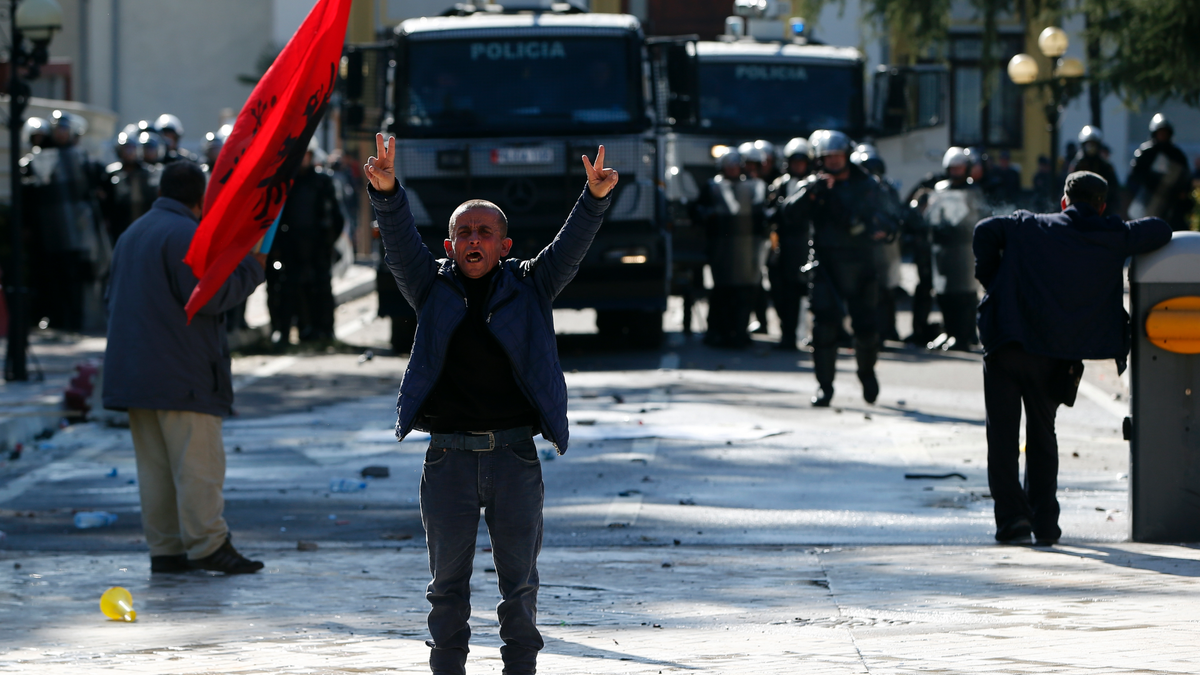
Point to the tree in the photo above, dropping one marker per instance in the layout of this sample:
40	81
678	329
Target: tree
1148	48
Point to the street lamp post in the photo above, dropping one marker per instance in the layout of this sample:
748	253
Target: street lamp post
35	21
1063	84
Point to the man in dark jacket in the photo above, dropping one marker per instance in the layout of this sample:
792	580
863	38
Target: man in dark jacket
173	377
300	273
483	379
1054	297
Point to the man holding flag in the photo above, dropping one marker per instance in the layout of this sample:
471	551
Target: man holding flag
174	378
483	379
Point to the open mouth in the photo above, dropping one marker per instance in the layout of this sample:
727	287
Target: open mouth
474	257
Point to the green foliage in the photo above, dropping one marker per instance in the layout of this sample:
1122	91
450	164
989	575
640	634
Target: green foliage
1150	48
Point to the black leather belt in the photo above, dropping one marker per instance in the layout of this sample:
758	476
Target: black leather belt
481	441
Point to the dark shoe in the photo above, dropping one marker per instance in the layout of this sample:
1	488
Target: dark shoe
1016	533
226	559
169	563
1038	541
823	397
870	385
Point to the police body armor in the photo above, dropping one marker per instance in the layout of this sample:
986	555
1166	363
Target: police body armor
951	214
736	251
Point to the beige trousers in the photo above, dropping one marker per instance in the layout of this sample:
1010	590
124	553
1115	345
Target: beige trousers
181	472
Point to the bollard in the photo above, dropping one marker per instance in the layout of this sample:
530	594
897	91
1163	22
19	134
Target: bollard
1164	427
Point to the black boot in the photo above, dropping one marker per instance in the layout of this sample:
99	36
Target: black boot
866	351
824	367
226	559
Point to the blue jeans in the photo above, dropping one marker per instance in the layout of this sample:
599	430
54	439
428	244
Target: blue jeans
507	483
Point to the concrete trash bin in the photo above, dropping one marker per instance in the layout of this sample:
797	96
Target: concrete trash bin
1164	429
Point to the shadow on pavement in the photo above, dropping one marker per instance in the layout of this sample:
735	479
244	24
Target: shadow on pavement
1180	567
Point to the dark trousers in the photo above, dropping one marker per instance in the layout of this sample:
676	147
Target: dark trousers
507	483
922	300
844	285
1012	376
729	310
786	291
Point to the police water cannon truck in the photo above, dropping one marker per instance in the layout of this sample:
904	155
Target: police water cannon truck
499	103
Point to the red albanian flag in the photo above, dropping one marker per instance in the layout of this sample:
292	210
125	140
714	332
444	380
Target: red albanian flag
254	171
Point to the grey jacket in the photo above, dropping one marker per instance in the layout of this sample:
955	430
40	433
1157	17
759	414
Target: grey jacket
155	359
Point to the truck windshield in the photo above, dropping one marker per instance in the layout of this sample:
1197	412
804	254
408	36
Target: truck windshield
779	100
541	85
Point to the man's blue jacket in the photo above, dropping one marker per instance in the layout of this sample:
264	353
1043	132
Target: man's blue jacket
1055	281
518	311
155	359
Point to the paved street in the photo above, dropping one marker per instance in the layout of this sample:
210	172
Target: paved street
705	519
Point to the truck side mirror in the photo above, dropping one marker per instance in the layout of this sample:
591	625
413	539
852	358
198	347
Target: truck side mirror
683	102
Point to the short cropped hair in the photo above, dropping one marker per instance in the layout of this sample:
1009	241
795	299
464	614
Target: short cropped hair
183	180
479	204
1085	187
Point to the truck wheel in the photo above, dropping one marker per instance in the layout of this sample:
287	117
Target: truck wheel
404	329
630	328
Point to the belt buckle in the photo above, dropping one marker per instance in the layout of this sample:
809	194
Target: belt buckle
491	441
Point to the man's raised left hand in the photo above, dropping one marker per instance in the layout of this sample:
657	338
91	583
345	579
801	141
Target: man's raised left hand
601	181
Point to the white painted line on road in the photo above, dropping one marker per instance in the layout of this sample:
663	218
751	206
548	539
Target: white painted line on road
20	485
669	361
1103	399
268	369
623	512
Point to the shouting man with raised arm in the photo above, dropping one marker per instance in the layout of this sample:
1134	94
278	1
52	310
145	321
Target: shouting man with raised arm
483	379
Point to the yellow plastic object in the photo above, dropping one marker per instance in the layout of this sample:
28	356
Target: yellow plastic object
117	604
1174	325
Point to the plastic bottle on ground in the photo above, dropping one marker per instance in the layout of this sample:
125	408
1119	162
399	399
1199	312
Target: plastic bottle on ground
89	519
346	485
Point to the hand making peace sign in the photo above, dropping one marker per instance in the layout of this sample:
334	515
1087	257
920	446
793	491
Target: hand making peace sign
381	169
601	181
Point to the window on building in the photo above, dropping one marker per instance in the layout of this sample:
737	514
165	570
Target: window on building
993	120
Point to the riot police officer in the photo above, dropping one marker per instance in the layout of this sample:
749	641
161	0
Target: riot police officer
955	206
887	252
170	128
789	247
128	192
213	142
753	159
1091	158
841	209
1160	182
74	248
770	163
733	207
299	268
35	133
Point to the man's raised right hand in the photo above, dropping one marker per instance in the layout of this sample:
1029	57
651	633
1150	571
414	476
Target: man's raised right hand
381	169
